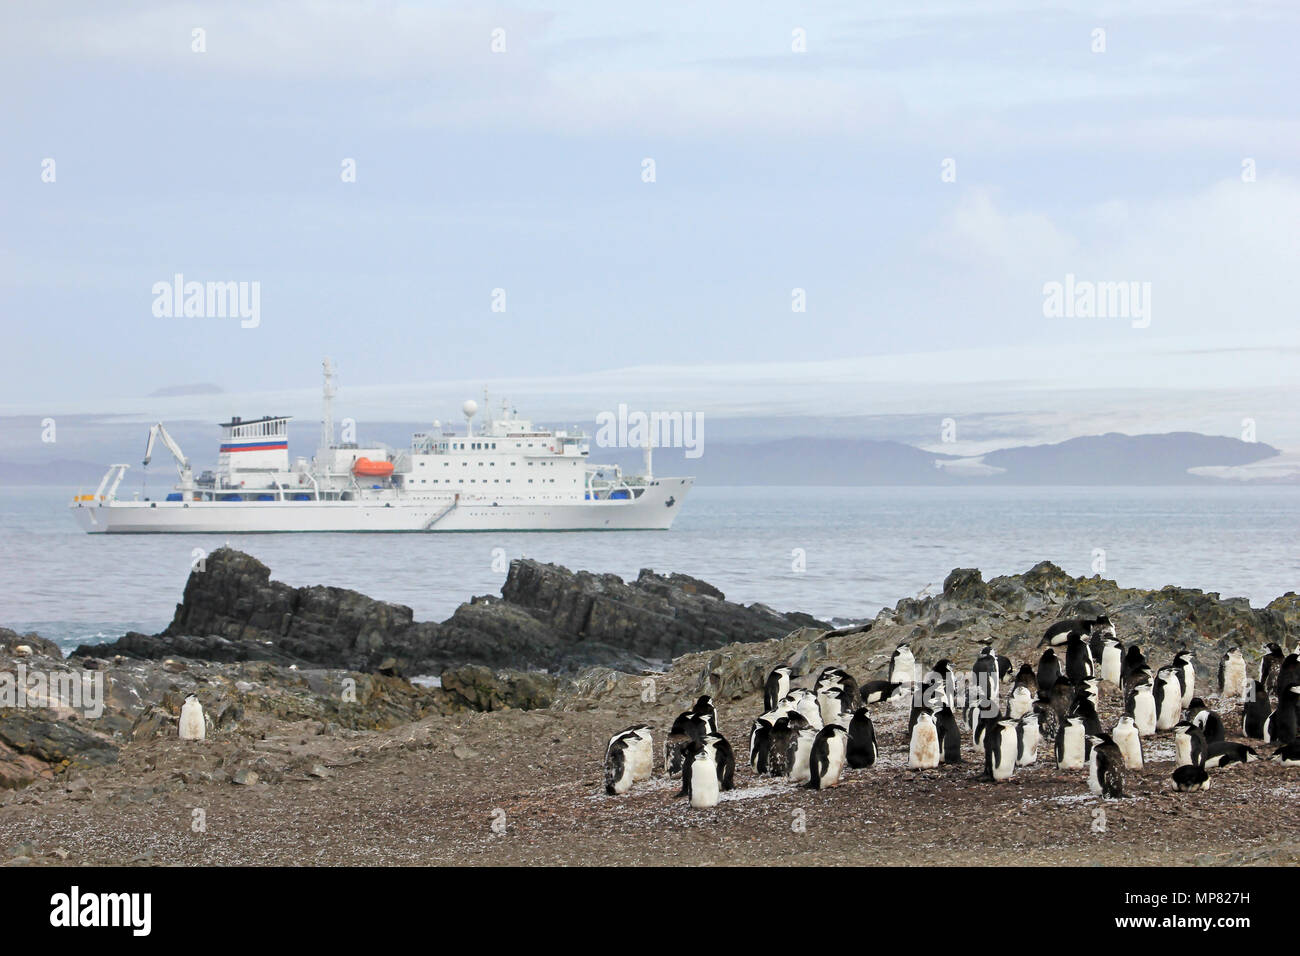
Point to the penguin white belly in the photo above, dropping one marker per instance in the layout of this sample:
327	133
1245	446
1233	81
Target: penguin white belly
1171	707
1189	685
800	772
1183	750
623	782
835	759
1029	753
1021	703
828	708
810	711
1005	765
1072	749
1094	780
1144	714
903	670
192	726
704	781
1110	664
924	750
641	758
1130	747
1234	678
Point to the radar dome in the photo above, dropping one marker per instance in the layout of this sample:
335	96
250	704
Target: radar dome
470	408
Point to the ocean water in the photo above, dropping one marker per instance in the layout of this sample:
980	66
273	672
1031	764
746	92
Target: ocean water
862	548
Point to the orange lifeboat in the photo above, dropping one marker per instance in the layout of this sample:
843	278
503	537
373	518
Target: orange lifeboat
372	469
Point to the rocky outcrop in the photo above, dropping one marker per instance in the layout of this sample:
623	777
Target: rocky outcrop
1010	611
547	618
141	700
11	641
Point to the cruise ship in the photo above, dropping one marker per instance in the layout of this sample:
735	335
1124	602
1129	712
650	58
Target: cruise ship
506	474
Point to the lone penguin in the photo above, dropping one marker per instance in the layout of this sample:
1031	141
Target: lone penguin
777	686
923	750
192	726
828	757
861	747
1232	674
629	759
1129	741
1105	767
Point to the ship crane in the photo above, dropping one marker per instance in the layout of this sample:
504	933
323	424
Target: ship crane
182	463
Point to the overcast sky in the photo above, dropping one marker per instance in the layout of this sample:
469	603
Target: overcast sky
522	170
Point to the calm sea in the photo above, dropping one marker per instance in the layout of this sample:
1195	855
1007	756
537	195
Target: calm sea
861	549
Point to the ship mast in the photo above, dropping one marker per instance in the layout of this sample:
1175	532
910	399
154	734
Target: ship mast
327	417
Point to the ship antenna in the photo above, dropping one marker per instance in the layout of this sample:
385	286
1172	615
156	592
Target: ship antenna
327	418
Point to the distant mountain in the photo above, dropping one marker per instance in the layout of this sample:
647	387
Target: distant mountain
176	391
1113	459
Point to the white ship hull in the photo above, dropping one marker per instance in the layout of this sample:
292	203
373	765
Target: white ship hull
653	510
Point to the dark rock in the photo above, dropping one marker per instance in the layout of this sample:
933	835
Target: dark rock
480	688
10	640
33	745
965	584
548	618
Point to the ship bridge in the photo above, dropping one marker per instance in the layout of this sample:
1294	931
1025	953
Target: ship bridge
259	444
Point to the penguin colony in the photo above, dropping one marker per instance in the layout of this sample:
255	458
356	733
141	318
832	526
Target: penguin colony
813	736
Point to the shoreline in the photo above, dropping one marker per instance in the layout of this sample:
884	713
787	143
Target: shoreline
292	773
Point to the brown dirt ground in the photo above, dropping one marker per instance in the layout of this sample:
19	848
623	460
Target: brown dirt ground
430	793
